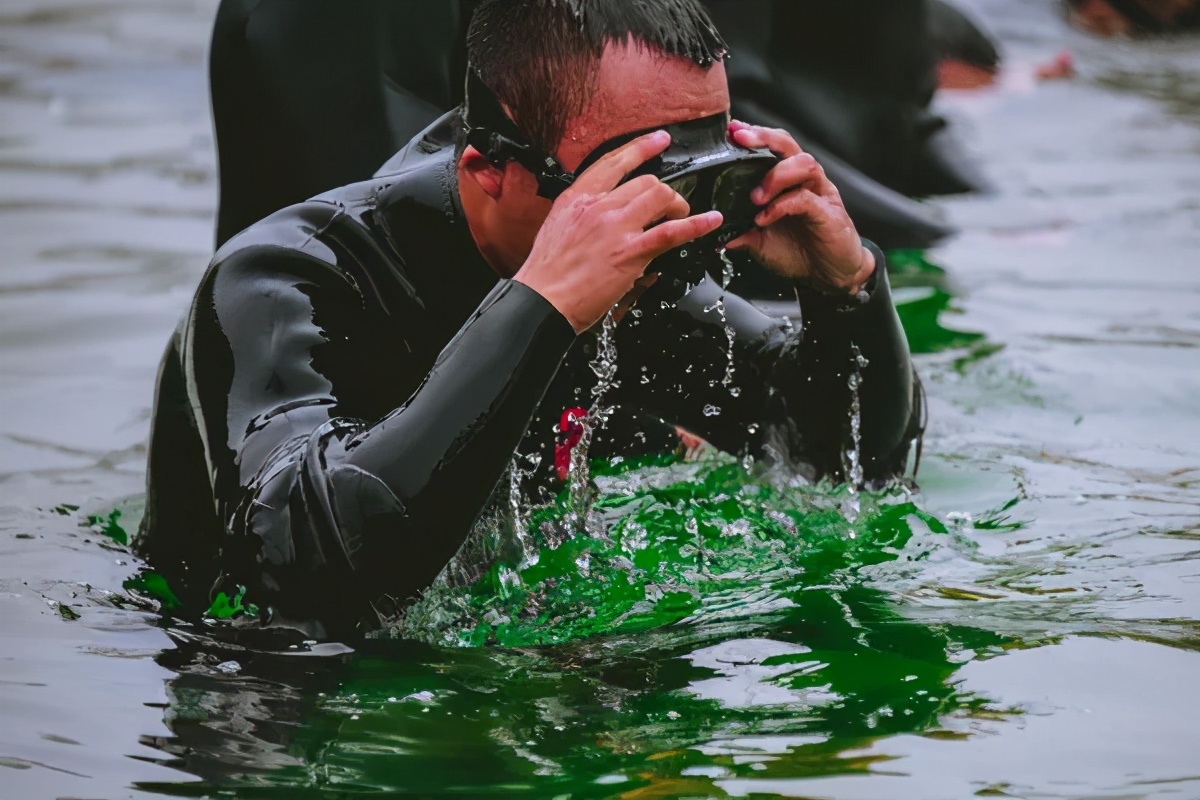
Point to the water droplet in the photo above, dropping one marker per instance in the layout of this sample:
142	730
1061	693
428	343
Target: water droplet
959	518
726	277
851	455
711	411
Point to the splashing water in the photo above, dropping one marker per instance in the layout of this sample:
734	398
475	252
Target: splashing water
719	307
517	505
852	454
604	365
726	278
696	543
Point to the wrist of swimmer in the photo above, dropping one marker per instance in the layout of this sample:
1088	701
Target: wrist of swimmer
850	288
866	271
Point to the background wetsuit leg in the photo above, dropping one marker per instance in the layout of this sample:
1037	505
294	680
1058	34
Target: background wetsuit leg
858	77
956	36
309	95
881	214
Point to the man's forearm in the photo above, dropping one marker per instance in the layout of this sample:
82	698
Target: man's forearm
441	454
845	336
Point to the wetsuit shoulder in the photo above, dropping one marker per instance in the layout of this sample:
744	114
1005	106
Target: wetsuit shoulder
354	422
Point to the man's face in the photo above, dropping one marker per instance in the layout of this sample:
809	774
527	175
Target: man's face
636	90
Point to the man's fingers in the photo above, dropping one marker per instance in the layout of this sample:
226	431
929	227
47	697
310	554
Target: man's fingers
751	240
798	172
678	208
639	192
645	200
655	206
778	141
613	167
673	233
796	203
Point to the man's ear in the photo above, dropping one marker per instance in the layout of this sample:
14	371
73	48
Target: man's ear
487	175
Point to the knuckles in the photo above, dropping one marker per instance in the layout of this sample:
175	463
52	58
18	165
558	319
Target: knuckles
644	183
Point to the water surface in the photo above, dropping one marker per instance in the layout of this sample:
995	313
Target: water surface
1026	626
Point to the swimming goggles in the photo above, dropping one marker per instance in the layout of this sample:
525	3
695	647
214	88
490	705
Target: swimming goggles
702	164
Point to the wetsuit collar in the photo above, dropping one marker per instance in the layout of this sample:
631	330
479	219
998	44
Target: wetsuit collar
422	209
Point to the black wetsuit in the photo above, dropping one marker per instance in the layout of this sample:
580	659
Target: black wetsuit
352	379
308	95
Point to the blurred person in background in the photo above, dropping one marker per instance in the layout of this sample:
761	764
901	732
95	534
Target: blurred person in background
312	94
1134	17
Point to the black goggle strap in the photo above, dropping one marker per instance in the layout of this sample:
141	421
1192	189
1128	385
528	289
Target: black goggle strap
492	133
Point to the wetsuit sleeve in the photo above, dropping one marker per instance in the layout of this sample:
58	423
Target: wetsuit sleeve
786	392
337	514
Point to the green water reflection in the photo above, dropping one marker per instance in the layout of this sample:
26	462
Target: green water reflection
924	300
716	621
736	638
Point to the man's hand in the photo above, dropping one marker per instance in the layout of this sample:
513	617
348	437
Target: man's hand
803	230
597	240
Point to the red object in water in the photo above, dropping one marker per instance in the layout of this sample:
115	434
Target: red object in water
955	74
570	431
691	441
1062	66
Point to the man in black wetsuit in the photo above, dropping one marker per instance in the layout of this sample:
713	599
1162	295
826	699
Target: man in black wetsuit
356	372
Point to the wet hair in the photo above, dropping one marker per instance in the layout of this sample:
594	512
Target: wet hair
542	57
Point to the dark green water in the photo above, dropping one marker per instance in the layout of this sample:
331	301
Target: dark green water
717	626
1027	624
